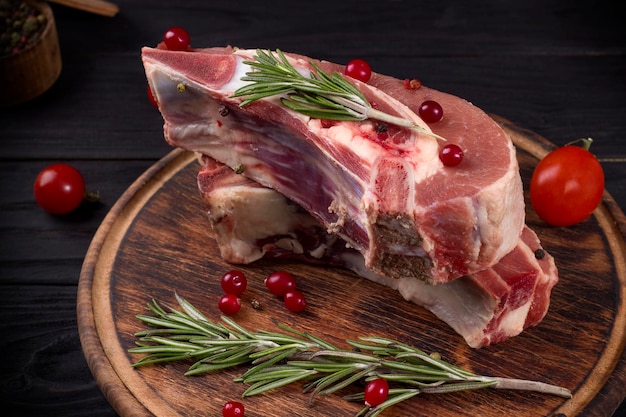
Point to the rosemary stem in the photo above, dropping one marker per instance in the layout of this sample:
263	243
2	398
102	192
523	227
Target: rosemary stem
526	385
368	112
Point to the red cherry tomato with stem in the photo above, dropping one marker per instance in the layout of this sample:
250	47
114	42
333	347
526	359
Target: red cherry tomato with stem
567	185
59	188
359	70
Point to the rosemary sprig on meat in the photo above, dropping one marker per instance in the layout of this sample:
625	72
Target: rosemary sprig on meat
278	359
320	95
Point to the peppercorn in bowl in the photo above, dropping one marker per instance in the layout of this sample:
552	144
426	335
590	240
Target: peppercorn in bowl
30	57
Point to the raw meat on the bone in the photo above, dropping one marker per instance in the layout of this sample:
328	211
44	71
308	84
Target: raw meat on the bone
387	196
250	222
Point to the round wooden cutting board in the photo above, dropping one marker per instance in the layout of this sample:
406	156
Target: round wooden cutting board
156	241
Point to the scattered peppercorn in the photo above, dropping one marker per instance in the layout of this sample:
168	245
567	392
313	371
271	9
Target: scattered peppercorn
239	169
256	304
381	131
413	84
381	127
540	253
21	26
224	111
181	87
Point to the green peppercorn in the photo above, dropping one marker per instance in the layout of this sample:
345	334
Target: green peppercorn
21	26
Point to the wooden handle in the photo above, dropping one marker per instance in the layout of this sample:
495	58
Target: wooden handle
100	7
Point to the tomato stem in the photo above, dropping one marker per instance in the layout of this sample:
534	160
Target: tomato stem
91	196
584	143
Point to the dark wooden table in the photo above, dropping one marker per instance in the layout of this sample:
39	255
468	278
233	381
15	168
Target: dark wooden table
555	67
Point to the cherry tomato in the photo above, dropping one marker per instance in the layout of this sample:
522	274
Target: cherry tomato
358	69
59	188
234	282
233	409
566	186
295	301
176	39
229	304
280	282
376	392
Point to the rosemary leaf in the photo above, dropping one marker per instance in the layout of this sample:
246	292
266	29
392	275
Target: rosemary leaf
438	363
159	349
345	354
325	366
276	372
331	379
266	363
423	380
421	371
154	359
201	326
156	321
395	397
192	311
264	386
323	344
205	368
346	382
237	355
182	334
237	327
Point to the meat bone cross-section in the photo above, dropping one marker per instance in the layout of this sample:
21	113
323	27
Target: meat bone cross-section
391	198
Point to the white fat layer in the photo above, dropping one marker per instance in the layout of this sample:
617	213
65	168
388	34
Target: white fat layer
256	213
240	71
462	306
259	212
494	218
513	321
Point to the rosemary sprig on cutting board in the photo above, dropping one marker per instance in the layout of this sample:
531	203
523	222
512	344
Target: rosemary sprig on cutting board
276	359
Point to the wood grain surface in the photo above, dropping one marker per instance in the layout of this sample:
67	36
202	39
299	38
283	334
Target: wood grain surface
555	67
156	240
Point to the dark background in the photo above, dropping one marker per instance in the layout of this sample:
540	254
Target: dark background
556	67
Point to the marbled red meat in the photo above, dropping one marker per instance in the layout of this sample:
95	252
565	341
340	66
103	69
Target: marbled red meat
251	222
389	198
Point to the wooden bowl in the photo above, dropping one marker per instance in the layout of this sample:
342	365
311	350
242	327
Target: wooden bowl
27	74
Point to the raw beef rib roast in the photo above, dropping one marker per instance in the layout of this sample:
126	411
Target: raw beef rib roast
370	195
386	195
251	222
